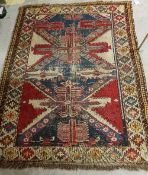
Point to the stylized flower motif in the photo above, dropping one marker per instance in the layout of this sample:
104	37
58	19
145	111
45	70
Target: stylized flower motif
60	153
123	50
44	153
131	154
129	90
89	9
95	153
38	83
121	32
111	134
98	124
138	140
10	153
90	89
55	9
40	125
44	9
105	129
135	126
47	90
33	130
113	154
23	44
91	120
26	28
7	140
46	121
9	127
114	139
119	17
66	9
77	155
133	112
19	62
28	135
26	139
27	153
15	83
112	8
10	116
78	9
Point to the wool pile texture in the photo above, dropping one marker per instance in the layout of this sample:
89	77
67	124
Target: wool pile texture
73	91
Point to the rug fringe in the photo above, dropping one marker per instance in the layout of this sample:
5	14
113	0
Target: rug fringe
79	3
45	165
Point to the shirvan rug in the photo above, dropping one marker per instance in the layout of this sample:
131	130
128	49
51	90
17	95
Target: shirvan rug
73	92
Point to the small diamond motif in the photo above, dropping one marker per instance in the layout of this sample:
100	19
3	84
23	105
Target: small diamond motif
131	101
124	59
126	68
128	79
120	24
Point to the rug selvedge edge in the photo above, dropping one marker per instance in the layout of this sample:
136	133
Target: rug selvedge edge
141	81
137	58
11	50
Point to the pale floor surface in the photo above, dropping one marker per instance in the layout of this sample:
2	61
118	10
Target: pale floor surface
6	28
